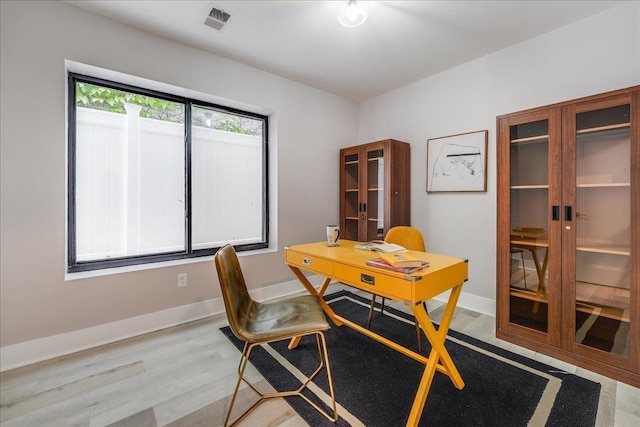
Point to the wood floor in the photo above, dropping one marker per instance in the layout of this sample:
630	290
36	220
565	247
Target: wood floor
183	376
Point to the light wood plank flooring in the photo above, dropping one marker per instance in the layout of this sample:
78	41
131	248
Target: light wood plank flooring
183	376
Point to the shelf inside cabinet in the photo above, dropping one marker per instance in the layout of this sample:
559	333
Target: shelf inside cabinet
351	190
355	162
603	249
530	139
527	294
605	301
605	185
608	312
353	218
529	187
375	189
603	128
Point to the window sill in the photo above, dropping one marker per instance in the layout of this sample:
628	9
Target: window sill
154	265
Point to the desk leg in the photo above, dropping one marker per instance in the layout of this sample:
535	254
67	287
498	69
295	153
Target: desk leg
438	353
309	287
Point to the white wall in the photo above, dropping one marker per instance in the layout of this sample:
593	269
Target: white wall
595	55
36	39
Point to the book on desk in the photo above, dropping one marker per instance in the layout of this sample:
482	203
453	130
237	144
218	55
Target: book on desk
381	263
401	259
380	246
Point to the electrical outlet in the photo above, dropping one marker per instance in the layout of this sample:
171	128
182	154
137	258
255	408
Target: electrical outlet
182	280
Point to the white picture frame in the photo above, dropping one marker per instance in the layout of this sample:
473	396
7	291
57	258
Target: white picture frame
457	163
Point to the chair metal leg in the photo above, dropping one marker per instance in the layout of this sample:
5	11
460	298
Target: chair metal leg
371	309
241	367
324	362
373	303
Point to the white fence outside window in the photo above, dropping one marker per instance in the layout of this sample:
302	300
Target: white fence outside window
130	186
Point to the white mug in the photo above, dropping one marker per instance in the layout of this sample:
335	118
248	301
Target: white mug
333	233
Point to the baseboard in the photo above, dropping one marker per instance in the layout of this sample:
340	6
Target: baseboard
472	302
29	352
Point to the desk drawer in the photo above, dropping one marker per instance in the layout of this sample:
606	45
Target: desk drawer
310	263
378	283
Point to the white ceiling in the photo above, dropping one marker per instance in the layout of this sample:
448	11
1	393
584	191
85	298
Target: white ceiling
401	42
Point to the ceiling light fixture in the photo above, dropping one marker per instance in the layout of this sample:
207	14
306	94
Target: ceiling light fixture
352	13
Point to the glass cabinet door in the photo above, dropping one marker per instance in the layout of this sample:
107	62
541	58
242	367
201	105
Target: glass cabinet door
529	224
375	194
602	222
351	196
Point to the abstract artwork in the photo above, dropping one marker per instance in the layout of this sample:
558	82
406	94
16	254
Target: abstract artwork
457	162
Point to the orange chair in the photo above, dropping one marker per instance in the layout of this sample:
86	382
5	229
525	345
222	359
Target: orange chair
410	238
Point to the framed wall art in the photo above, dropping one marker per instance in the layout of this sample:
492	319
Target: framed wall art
457	162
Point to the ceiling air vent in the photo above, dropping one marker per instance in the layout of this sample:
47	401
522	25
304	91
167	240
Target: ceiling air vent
217	19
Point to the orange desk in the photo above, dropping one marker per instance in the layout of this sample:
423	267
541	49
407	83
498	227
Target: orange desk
346	264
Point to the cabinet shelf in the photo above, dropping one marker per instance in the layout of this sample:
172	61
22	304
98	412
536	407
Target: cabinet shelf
351	190
608	312
605	185
605	301
529	187
529	295
603	249
599	306
603	128
354	162
376	189
530	139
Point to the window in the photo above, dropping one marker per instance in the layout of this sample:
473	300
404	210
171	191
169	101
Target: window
156	177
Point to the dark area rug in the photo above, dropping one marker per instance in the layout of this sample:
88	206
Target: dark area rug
377	385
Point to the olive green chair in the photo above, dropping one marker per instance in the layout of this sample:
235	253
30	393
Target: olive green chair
258	323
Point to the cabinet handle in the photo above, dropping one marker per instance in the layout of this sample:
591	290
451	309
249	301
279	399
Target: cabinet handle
359	207
364	207
555	213
568	213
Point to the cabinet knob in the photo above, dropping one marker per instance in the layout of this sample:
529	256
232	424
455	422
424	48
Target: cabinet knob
567	227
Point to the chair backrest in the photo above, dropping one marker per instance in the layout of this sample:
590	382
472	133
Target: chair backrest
409	237
237	302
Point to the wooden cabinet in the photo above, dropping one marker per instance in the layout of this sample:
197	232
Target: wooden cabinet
374	189
568	261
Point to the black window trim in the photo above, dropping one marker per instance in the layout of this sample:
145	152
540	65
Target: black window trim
74	266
